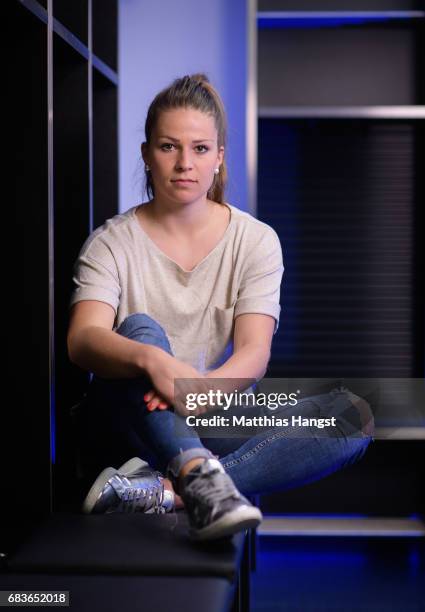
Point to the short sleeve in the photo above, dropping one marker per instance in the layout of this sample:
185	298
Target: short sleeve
259	291
95	274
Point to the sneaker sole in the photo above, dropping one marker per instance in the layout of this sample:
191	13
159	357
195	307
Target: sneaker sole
132	465
96	488
240	519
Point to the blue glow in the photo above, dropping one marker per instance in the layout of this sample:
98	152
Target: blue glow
309	21
414	563
305	557
52	425
289	169
314	23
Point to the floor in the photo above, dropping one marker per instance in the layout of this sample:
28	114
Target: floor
339	574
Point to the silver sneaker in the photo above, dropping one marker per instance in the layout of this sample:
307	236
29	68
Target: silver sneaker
133	487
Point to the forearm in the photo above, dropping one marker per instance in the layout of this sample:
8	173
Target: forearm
107	354
248	362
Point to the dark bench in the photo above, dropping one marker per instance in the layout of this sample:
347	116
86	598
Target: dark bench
129	562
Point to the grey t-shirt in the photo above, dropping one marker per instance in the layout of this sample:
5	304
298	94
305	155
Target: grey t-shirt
120	265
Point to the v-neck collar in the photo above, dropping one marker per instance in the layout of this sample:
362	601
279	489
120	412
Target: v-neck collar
164	255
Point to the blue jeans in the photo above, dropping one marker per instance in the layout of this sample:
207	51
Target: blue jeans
116	425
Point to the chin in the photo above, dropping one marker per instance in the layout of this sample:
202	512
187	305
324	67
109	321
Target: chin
186	197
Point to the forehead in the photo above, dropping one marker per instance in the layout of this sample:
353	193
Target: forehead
178	122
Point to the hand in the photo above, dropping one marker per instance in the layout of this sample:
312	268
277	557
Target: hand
154	400
163	369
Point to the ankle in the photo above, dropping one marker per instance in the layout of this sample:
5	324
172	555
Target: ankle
168	486
183	462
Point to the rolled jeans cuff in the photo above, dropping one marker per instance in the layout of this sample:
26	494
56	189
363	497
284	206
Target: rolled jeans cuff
182	458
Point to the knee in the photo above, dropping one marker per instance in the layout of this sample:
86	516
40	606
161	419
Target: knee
364	415
140	326
141	321
357	448
366	440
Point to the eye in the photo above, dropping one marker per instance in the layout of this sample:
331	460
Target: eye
201	148
167	146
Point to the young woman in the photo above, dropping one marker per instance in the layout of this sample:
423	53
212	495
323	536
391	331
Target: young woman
186	286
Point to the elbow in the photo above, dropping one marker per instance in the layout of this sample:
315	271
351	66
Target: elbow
262	373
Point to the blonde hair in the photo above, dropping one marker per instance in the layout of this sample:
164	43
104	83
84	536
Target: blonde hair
194	91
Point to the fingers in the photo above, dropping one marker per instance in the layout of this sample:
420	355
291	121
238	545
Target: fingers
154	401
149	395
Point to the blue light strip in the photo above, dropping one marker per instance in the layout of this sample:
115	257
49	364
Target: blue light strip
329	19
53	426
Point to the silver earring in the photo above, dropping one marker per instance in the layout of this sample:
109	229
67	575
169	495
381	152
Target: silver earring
217	170
147	168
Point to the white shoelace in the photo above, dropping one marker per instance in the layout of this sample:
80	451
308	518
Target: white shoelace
212	490
137	496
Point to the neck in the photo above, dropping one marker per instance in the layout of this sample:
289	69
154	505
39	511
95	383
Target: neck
181	219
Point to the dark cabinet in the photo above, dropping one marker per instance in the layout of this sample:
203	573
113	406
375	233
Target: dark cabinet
65	103
341	140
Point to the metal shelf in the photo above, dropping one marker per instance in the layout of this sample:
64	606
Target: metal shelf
70	38
59	29
342	112
294	526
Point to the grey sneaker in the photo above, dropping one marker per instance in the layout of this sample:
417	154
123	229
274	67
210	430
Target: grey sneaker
215	507
134	487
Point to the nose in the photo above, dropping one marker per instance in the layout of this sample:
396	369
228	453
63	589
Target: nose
184	160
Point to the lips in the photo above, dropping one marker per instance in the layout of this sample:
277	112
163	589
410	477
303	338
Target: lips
182	181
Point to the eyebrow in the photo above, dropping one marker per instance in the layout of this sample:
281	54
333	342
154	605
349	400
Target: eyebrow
194	141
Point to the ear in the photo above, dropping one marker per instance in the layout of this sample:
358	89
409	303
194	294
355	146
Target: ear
220	156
